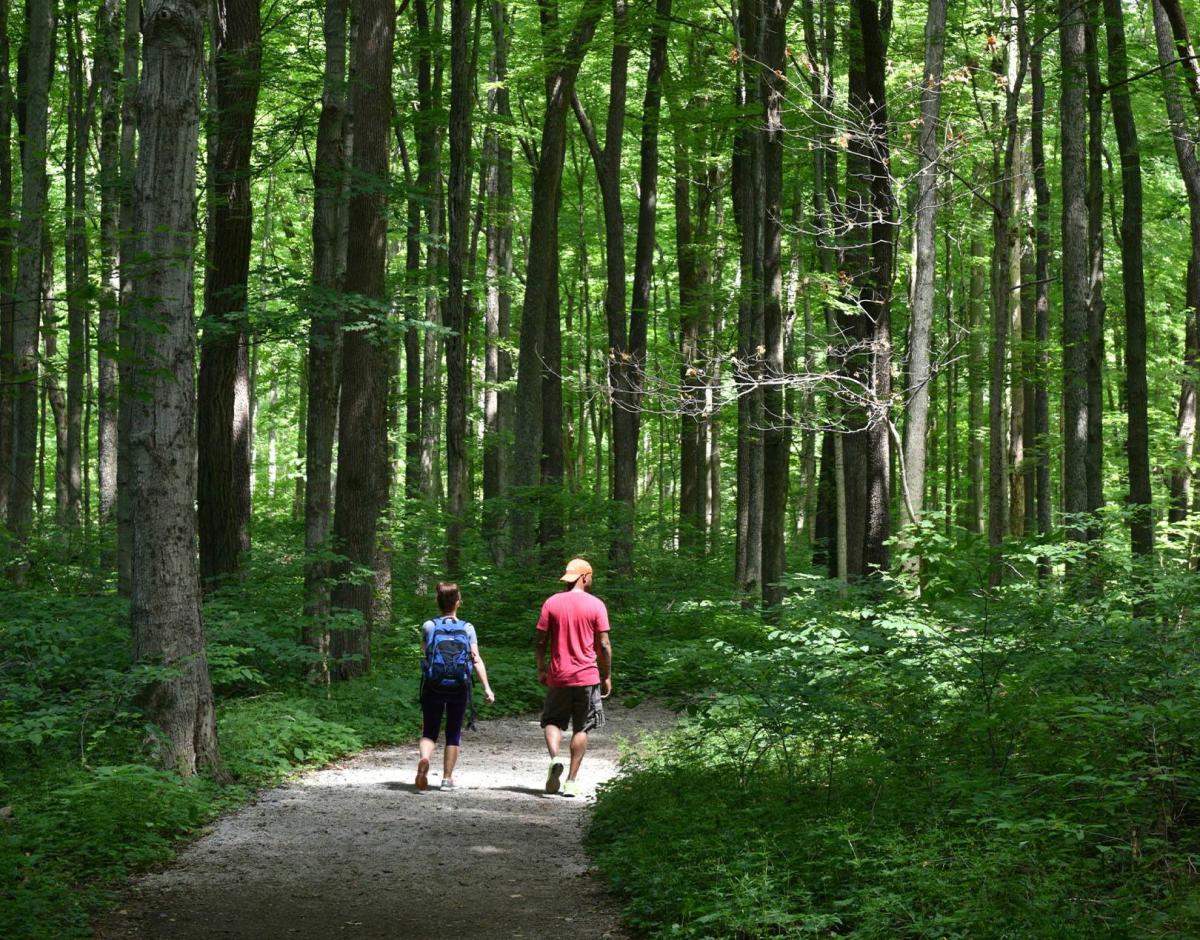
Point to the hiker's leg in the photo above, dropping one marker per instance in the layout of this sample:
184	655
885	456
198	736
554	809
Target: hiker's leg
449	759
426	748
553	739
578	749
455	713
431	724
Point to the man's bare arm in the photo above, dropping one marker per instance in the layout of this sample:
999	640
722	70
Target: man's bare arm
543	640
604	662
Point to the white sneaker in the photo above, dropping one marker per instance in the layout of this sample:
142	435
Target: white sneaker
449	784
570	788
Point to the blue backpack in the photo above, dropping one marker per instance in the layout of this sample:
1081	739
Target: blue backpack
448	666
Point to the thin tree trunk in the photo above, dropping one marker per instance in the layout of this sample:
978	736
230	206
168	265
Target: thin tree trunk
109	77
776	436
39	57
6	268
1096	305
921	323
131	44
1141	520
1041	392
54	401
224	421
165	600
455	304
76	257
1180	485
1072	113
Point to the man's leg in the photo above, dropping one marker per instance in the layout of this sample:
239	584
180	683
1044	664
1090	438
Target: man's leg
553	739
578	749
449	759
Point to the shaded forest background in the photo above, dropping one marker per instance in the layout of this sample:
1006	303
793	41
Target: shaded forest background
855	342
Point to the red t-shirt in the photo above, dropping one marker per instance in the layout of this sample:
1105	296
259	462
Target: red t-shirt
573	619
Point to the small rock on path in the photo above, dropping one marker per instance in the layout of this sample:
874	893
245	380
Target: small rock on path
356	851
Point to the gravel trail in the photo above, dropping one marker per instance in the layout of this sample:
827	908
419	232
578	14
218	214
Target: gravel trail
356	851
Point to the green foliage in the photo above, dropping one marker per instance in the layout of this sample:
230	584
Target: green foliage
1019	763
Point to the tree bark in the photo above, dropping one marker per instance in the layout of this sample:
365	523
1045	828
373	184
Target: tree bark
1096	305
1073	117
921	323
527	451
109	77
1041	392
1189	168
130	52
455	307
165	599
499	264
39	57
324	337
1141	520
776	435
363	472
6	268
224	421
76	258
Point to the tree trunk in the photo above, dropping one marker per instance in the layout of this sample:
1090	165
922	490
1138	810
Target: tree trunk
76	256
6	269
109	76
1141	520
1041	392
921	324
692	380
1096	305
165	600
459	212
324	337
39	58
776	436
498	303
53	396
539	270
1072	113
363	472
224	421
608	175
1189	168
131	43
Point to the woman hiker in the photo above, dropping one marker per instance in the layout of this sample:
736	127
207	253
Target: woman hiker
450	651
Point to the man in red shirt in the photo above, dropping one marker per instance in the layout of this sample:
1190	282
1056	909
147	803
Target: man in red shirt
573	627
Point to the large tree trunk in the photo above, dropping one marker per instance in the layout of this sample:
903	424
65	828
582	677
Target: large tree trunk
165	600
527	451
1189	169
1141	521
38	56
455	307
776	435
921	324
224	421
363	473
109	77
131	43
1072	113
324	337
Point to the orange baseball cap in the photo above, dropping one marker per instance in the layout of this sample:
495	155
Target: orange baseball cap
576	569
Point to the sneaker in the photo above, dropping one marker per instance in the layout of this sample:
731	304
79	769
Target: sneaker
422	774
570	788
554	776
448	784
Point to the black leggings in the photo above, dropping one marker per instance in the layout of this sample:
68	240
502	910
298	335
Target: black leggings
455	707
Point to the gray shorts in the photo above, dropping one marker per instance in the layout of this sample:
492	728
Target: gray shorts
577	705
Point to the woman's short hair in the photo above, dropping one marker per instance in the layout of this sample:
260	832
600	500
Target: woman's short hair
448	595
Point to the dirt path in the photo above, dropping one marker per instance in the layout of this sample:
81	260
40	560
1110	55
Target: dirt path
356	851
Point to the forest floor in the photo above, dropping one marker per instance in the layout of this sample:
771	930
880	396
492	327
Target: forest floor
354	850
